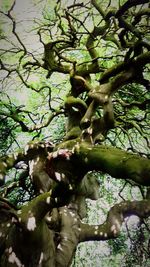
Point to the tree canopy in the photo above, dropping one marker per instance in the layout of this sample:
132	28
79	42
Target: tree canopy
74	113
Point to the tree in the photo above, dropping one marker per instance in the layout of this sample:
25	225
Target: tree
100	49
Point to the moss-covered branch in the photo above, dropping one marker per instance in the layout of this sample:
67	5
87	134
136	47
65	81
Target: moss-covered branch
114	161
30	151
111	227
69	237
28	233
31	215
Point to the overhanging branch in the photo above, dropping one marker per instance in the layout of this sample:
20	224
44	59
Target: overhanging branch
111	227
114	161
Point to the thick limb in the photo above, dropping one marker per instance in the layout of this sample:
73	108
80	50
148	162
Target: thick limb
97	128
37	170
112	226
114	161
29	233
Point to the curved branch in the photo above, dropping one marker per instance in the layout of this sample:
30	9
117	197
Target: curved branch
111	227
129	4
141	105
141	61
29	152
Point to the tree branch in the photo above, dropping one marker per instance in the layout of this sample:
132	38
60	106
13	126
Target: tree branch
141	61
129	4
114	161
111	227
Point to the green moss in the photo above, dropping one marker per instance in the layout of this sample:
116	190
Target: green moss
73	133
